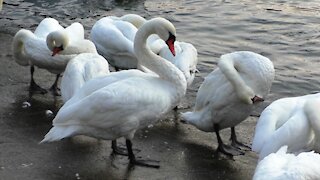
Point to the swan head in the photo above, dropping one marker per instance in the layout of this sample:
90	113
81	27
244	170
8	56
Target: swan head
246	95
167	32
57	41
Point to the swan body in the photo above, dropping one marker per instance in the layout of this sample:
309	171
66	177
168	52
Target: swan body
114	36
127	100
289	121
227	95
81	69
282	165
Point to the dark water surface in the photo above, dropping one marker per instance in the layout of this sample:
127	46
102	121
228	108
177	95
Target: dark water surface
287	32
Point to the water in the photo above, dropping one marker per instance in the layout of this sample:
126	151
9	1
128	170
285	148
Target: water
287	32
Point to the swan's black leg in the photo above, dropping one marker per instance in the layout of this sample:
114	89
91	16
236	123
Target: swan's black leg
54	88
133	159
34	87
116	68
225	149
235	142
118	150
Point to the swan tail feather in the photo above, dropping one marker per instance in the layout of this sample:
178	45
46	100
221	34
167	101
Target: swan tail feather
58	132
190	117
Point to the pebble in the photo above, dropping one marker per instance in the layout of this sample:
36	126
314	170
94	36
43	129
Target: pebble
26	104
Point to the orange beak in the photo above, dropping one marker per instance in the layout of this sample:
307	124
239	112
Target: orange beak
170	43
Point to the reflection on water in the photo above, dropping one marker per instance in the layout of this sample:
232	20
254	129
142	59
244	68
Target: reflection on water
285	31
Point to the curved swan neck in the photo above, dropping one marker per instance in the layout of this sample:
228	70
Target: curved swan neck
165	69
18	46
228	67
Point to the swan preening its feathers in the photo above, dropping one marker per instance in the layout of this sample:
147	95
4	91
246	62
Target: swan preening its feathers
227	95
294	122
41	47
122	102
282	165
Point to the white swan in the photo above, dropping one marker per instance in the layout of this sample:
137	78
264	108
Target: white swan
81	69
186	58
227	95
32	49
288	121
282	165
114	38
123	102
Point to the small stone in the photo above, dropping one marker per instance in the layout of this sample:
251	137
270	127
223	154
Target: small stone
26	104
49	113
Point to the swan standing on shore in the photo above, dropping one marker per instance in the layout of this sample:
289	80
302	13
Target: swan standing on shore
228	94
282	165
121	103
50	47
293	122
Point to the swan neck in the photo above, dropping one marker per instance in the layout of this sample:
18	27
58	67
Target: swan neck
163	68
229	68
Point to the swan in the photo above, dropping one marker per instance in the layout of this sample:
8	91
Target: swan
114	36
288	121
122	102
35	49
81	69
228	94
282	165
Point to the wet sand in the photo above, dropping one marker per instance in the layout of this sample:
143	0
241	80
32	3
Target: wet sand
183	151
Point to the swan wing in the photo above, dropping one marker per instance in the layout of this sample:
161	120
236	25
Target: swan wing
47	26
131	101
295	133
283	165
81	69
75	32
99	82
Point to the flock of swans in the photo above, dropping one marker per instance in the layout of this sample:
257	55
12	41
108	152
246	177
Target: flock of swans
153	71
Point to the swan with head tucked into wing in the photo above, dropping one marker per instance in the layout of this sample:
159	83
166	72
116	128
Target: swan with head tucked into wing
120	103
228	94
282	165
293	121
114	36
50	47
